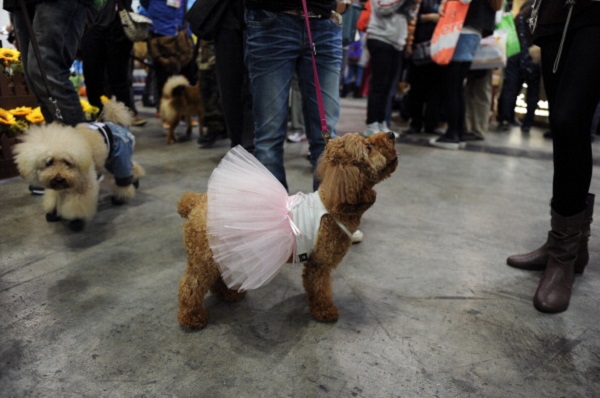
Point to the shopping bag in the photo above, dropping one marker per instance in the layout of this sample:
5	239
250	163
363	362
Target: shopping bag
507	23
491	52
447	30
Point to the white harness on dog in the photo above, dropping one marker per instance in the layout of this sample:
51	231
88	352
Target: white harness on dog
305	212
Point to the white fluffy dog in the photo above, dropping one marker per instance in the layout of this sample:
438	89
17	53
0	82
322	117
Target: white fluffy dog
67	162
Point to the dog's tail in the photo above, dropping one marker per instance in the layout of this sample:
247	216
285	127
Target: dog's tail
173	83
117	112
188	201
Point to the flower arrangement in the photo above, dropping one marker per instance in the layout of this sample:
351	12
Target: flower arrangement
10	60
15	121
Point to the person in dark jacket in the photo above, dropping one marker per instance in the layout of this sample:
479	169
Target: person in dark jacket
50	20
520	68
479	22
569	36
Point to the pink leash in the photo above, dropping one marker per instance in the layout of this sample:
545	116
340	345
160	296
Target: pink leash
324	130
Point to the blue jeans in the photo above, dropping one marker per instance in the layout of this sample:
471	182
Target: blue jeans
58	27
276	48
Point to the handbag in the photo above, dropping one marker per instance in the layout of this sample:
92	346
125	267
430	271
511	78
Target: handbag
173	53
507	23
447	31
205	17
135	26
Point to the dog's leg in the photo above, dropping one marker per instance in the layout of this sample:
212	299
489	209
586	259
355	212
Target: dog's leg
51	205
194	285
171	132
317	283
221	290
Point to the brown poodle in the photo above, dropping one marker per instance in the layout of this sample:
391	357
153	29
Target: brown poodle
348	170
180	100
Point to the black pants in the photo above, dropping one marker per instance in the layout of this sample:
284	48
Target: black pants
385	65
424	97
234	89
519	69
453	94
573	93
107	64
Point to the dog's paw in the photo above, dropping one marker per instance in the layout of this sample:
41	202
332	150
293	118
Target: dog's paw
76	225
52	216
117	201
325	313
197	321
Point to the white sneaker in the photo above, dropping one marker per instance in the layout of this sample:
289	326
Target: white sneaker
386	129
357	236
371	129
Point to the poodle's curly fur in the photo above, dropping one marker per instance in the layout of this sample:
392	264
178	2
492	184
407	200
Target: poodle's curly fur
348	170
66	161
181	100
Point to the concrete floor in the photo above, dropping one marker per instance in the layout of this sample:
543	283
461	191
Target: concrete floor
428	307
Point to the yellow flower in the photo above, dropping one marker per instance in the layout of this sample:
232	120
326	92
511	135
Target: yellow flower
93	110
9	55
104	99
35	117
21	111
6	117
85	105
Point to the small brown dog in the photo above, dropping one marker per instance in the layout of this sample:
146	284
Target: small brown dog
348	170
180	100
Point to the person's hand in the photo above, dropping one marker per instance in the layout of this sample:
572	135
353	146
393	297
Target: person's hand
432	17
442	8
342	6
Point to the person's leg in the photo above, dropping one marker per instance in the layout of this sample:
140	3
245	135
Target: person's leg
119	65
396	61
273	44
533	80
94	54
479	99
433	97
510	90
417	95
58	26
233	87
573	94
327	37
382	73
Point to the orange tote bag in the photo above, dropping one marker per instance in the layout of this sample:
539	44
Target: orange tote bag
447	30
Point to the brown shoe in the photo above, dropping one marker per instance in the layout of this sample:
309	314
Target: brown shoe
537	259
554	290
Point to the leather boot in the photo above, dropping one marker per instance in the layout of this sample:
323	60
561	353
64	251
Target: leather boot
554	290
537	259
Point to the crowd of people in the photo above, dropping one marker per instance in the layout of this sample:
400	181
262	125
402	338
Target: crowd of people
261	52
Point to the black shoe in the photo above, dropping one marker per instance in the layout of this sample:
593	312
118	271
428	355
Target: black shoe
504	126
446	141
472	137
525	129
548	134
411	131
206	141
36	190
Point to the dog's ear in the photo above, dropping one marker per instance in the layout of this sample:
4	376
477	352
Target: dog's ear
29	152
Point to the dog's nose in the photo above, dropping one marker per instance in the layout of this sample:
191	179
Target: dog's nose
392	136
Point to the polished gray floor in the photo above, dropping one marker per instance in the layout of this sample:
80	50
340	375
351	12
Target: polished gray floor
428	307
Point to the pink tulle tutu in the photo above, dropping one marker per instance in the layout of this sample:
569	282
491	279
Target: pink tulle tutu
249	228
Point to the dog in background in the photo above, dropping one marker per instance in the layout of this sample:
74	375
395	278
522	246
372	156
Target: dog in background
181	100
68	161
348	170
